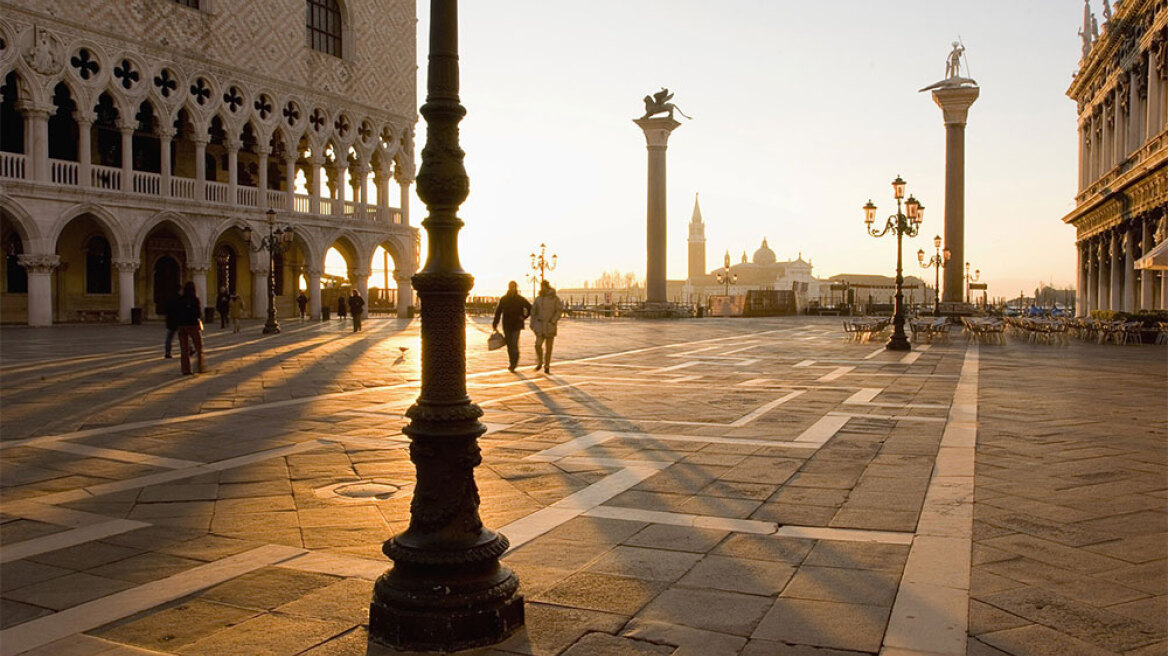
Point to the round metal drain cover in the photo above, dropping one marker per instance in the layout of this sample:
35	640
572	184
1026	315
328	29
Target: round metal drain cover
360	491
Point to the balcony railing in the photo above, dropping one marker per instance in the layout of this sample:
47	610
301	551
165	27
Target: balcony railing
15	166
105	177
147	183
216	192
63	171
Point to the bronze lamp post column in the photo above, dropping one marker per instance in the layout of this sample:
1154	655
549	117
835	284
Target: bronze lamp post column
446	590
906	221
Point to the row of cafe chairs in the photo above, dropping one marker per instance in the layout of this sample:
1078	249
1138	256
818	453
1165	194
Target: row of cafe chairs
864	329
984	329
1036	330
930	329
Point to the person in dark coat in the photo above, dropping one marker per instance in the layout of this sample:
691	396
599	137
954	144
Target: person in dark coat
356	308
189	312
513	309
302	303
223	305
342	307
172	322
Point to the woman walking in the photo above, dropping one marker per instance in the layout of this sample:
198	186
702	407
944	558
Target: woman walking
545	314
190	327
236	311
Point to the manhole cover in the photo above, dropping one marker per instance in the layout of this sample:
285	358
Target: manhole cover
360	491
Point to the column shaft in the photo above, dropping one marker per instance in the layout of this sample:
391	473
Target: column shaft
1147	276
954	209
198	276
656	233
125	270
1116	271
127	157
314	293
84	150
1129	270
1081	265
259	287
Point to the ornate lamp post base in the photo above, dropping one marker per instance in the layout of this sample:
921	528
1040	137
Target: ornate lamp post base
898	342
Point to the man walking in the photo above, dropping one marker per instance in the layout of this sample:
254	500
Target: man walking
302	304
513	309
545	315
356	307
223	305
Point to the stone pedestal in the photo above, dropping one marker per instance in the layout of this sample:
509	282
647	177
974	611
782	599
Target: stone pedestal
954	102
656	141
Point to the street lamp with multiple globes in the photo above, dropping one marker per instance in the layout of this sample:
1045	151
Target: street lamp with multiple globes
541	263
725	276
935	262
906	222
276	243
974	277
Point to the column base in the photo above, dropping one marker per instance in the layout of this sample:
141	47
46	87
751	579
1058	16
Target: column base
898	343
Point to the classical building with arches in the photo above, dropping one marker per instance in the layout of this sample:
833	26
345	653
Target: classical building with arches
1121	208
139	138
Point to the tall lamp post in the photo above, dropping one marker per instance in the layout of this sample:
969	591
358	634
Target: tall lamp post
277	242
541	263
725	276
936	262
447	590
906	221
974	277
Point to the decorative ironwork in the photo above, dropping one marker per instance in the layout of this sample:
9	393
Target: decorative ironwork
906	222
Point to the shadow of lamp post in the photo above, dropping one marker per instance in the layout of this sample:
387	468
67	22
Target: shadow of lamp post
276	243
936	262
446	590
906	222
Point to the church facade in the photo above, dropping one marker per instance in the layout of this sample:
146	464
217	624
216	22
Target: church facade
140	140
1121	208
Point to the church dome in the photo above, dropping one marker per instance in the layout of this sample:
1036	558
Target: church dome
764	255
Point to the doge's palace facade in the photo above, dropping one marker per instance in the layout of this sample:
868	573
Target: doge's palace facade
1121	209
139	138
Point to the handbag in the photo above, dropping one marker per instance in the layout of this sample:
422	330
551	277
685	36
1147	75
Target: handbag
495	341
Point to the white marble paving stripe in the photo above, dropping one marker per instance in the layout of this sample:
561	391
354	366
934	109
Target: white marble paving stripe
117	454
69	538
836	374
874	353
741	349
803	363
861	415
178	474
924	347
904	375
911	357
675	367
709	439
87	616
864	396
823	430
931	611
765	408
844	534
522	531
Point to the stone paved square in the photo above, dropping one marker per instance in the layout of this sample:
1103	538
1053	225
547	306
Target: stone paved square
978	498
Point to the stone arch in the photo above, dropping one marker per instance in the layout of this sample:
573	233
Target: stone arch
23	223
102	216
182	229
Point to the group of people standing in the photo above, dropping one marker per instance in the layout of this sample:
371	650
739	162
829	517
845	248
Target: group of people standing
544	312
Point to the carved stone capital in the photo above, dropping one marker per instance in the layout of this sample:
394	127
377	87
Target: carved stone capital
312	272
126	264
39	263
199	269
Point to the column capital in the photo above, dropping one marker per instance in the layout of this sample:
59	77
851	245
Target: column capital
198	268
357	274
232	144
31	109
39	262
200	140
955	103
313	272
258	265
85	117
126	264
263	150
166	132
657	130
404	175
126	126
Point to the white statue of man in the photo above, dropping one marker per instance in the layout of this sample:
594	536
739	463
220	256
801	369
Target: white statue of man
953	64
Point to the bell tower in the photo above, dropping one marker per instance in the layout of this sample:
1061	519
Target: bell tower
697	243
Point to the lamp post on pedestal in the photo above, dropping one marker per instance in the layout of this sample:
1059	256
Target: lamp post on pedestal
542	264
936	262
976	276
725	277
447	590
277	242
906	221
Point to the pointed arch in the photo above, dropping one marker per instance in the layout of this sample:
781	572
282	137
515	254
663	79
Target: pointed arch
102	216
182	228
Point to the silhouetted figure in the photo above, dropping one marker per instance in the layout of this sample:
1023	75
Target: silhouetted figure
235	309
342	307
190	326
302	303
356	308
223	305
513	309
545	315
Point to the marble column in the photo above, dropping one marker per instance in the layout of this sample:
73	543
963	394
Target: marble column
656	141
1152	115
1092	292
290	183
1116	270
165	137
84	147
1135	124
405	295
259	285
198	275
262	153
381	178
359	279
955	103
233	145
127	132
404	179
1147	276
125	269
1084	140
36	141
1161	236
316	165
339	186
40	286
362	189
1082	264
200	168
1129	270
313	276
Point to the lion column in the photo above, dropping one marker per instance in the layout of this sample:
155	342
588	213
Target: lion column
656	140
954	103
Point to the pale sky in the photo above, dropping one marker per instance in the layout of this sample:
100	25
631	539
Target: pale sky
802	111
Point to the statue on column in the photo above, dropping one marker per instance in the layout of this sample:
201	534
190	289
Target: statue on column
953	63
658	103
